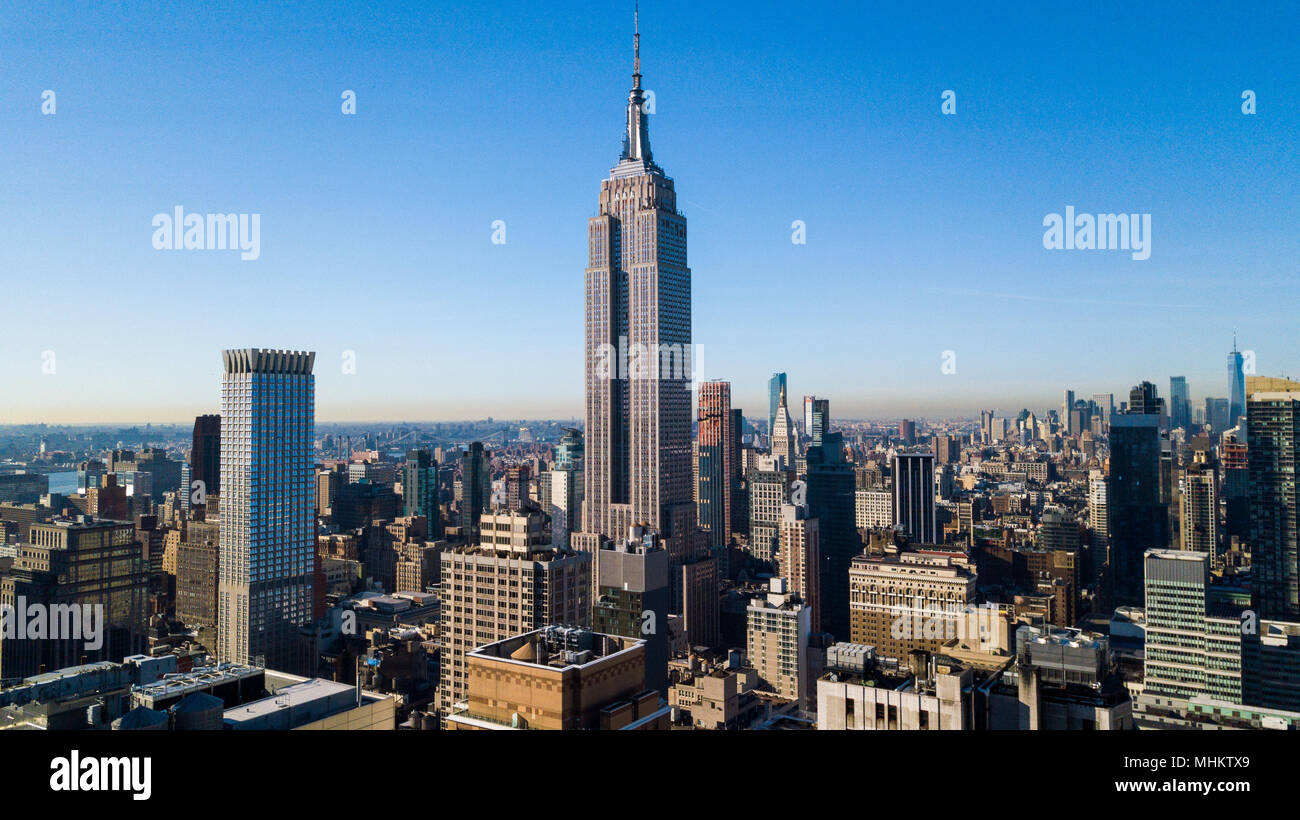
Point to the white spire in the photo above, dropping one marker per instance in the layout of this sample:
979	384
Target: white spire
636	143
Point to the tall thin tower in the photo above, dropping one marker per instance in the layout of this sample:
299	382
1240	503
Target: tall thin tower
638	350
268	526
717	471
1236	385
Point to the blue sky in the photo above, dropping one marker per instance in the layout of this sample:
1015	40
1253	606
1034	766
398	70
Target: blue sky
924	231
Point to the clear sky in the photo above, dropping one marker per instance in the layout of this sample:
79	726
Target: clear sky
924	231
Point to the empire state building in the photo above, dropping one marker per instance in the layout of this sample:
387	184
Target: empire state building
638	350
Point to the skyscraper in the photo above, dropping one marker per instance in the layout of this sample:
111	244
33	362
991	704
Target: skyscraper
1199	511
1180	406
1067	404
565	504
1143	400
947	449
420	489
819	420
777	629
1273	455
1218	414
1105	405
490	592
205	456
716	468
1236	486
769	487
739	483
832	501
775	388
800	558
907	431
475	489
1138	520
632	598
566	487
1098	521
1236	385
784	436
638	300
569	452
914	496
268	530
69	568
1191	649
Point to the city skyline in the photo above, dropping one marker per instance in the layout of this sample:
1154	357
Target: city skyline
998	489
891	229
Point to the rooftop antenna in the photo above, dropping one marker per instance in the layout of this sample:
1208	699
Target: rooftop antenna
636	44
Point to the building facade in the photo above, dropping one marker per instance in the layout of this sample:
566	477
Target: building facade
268	526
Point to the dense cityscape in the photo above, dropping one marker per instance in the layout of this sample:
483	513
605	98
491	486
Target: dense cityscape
1125	561
1101	565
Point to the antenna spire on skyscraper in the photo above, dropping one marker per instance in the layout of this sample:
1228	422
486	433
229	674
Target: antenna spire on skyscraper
636	145
636	44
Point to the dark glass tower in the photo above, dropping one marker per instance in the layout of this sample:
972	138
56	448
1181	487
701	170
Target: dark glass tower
1180	406
475	489
1273	454
1139	521
914	496
205	455
831	500
420	489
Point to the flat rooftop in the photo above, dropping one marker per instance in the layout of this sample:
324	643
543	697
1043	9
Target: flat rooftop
557	647
299	704
197	679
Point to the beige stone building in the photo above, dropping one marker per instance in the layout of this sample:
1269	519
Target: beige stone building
799	558
909	600
776	637
490	593
707	694
559	678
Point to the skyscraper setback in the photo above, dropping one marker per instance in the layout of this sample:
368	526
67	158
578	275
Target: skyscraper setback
638	298
268	537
